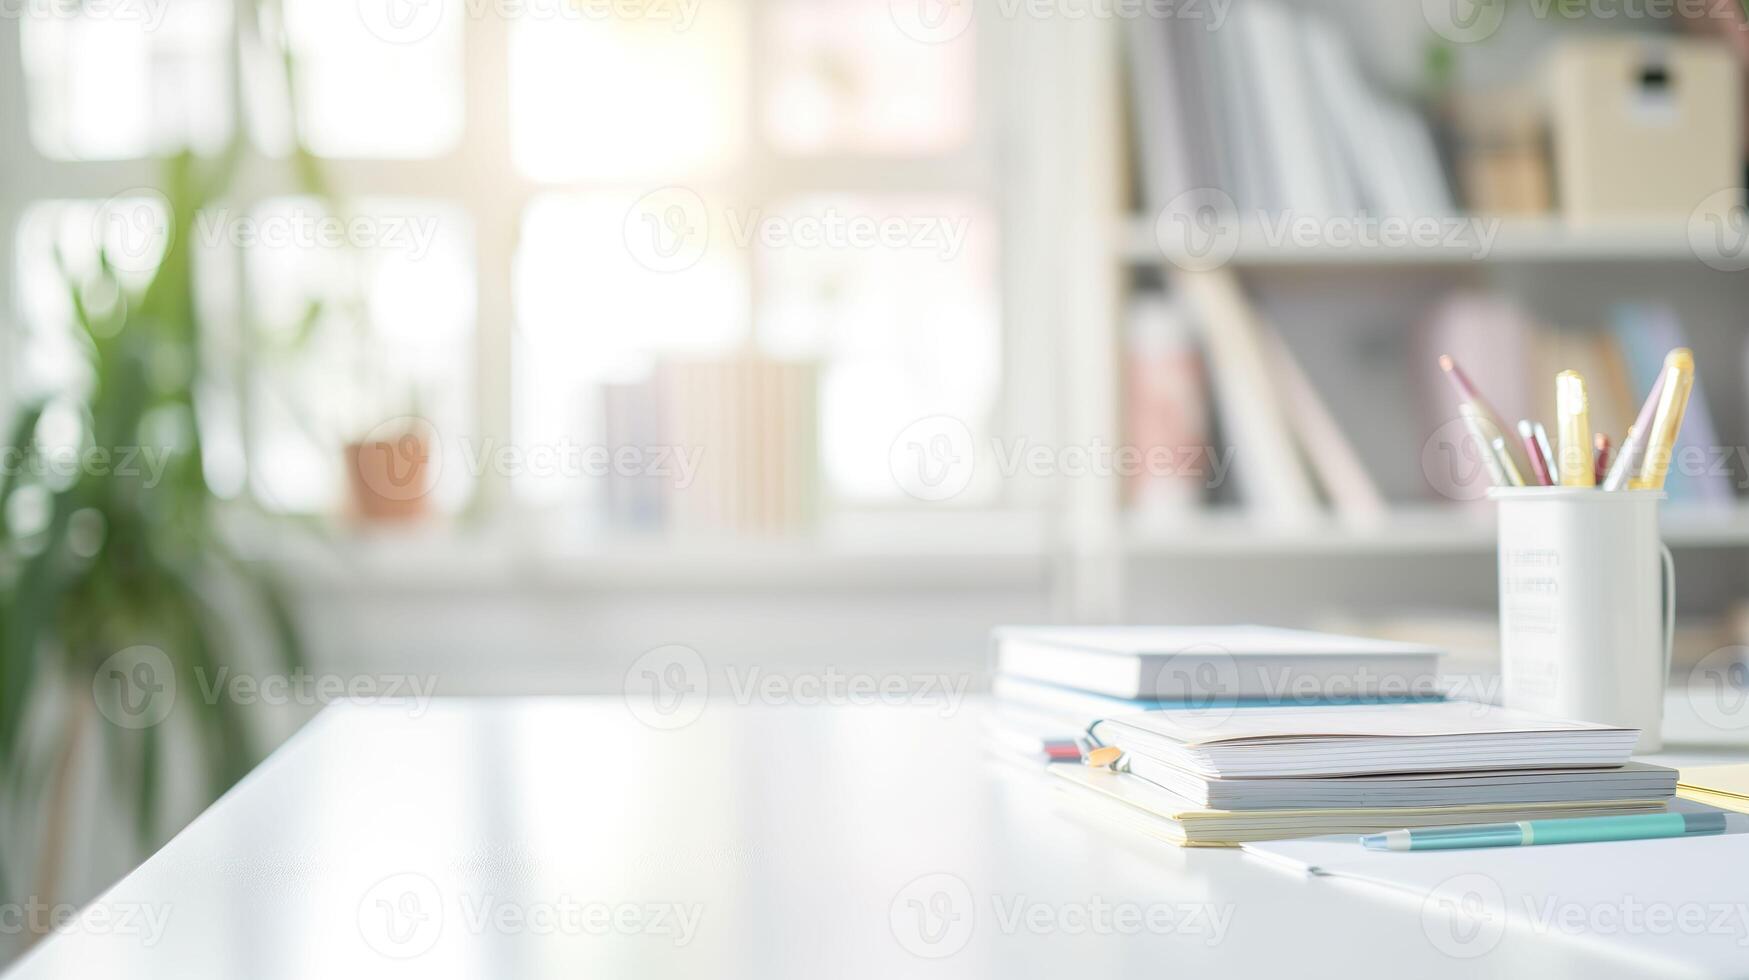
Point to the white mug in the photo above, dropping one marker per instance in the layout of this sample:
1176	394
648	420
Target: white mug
1587	605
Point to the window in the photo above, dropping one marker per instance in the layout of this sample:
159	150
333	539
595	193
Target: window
115	81
536	201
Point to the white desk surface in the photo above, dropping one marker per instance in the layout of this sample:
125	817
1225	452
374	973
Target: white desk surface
562	838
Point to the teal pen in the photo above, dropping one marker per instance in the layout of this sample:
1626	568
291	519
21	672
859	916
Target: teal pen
1576	830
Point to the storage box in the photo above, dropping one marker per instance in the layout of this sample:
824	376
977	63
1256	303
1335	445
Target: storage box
1643	126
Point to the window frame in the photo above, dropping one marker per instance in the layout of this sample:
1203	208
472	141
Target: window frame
759	179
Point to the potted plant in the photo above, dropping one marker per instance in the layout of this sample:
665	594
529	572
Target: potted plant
108	573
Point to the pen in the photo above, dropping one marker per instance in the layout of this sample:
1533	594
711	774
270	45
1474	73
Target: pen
1468	392
1600	470
1539	467
1484	444
1573	423
1542	445
1507	466
1633	447
1672	402
1575	830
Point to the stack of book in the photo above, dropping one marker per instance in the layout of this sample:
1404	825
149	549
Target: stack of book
1267	773
1224	735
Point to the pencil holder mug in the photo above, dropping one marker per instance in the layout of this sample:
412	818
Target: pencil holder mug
1587	605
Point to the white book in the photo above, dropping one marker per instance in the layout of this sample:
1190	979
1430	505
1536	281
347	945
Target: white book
1634	781
1329	740
1410	144
1158	107
1383	144
1216	664
1256	185
1288	112
1329	453
1272	479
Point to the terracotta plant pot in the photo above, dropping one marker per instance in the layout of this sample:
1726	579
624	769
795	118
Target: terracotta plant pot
390	479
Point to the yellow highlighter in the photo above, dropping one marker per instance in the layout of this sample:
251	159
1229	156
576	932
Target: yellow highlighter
1672	402
1573	425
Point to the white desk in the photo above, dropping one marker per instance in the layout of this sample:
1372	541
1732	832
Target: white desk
514	838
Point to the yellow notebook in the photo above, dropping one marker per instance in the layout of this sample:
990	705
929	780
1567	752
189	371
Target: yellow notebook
1726	787
1134	801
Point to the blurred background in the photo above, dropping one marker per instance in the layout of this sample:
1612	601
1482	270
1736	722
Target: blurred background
383	348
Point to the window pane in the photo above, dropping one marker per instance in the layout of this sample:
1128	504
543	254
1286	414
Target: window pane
378	78
847	76
593	95
898	297
133	230
360	323
123	80
604	285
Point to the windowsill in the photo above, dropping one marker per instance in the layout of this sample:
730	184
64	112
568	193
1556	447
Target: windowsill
897	551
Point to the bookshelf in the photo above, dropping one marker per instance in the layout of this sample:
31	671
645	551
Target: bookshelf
1524	240
1414	530
1224	559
